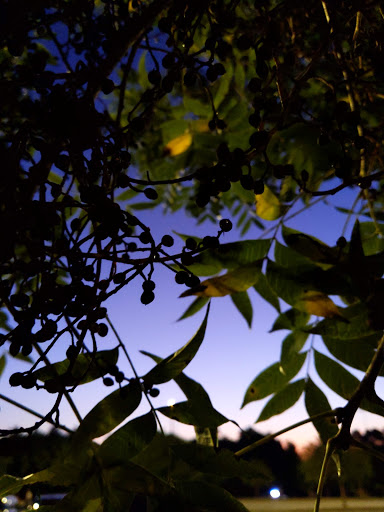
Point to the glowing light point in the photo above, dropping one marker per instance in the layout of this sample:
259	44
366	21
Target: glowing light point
35	506
171	402
274	493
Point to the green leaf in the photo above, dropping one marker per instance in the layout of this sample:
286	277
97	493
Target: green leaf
286	257
142	72
273	379
357	353
337	378
268	206
224	84
265	291
237	280
173	129
290	319
86	368
221	463
173	365
192	412
129	440
316	403
244	306
372	243
196	305
292	344
311	247
3	360
208	497
282	400
206	436
195	106
110	412
358	326
229	256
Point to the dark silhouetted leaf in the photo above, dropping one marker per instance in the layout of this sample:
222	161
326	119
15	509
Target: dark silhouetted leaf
110	412
290	319
316	403
282	400
129	440
273	379
196	305
174	364
244	306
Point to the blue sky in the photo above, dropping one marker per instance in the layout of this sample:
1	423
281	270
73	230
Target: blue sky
229	358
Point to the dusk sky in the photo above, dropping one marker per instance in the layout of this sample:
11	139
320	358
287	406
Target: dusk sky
229	358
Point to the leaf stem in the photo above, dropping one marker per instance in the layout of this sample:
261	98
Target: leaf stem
270	437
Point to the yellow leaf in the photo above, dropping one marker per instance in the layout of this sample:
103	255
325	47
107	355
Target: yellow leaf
238	280
178	145
267	205
319	304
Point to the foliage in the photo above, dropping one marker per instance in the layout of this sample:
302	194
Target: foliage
248	110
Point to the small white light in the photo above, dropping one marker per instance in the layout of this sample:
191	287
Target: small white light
4	500
274	493
35	506
171	402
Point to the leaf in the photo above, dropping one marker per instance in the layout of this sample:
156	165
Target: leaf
110	412
293	284
224	84
238	280
311	247
2	363
178	145
358	326
268	206
290	319
229	256
196	305
128	441
222	463
173	365
337	378
206	436
357	353
273	379
208	497
282	400
286	257
292	344
192	412
265	291
86	368
319	304
244	306
316	402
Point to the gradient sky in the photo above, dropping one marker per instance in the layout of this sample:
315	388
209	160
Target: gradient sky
229	358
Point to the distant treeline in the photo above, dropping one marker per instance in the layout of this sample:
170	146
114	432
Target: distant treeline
281	467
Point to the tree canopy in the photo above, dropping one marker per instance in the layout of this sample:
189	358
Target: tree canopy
232	111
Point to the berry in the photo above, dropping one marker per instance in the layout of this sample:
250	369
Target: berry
258	187
167	240
225	225
145	237
304	176
102	330
16	379
107	381
107	86
154	77
341	242
154	392
148	285
221	124
247	182
147	297
212	125
210	242
192	281
191	244
72	352
181	277
119	377
150	193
